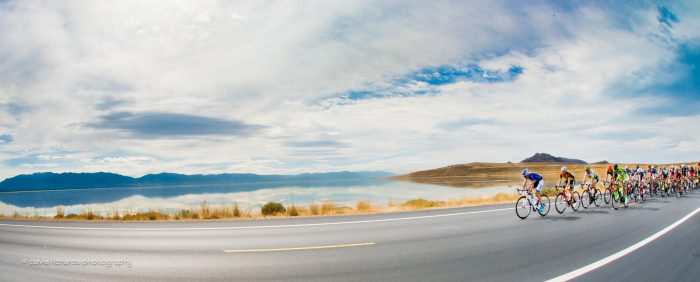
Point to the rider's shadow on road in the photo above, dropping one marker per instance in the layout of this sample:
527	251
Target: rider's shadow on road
594	212
646	208
564	217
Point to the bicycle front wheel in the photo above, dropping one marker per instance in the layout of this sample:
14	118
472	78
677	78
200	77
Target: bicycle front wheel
608	196
523	207
615	200
560	203
586	199
597	197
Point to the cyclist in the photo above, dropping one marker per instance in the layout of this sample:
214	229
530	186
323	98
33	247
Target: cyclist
594	177
653	175
610	174
641	175
537	183
621	177
569	180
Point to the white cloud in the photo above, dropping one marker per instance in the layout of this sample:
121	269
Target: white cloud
270	63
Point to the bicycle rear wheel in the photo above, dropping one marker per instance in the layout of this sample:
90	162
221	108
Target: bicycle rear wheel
607	196
545	201
576	200
523	207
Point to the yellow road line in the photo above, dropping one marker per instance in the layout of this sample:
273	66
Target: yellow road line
299	248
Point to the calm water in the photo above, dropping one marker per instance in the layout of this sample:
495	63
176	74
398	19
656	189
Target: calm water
173	198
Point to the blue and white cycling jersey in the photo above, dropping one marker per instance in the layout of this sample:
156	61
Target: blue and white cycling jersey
534	177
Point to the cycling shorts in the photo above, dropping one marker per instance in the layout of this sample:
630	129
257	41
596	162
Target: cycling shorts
570	183
539	184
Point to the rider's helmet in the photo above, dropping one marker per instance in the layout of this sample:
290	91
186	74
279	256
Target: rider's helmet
652	167
637	168
588	168
525	172
563	169
610	168
627	168
616	167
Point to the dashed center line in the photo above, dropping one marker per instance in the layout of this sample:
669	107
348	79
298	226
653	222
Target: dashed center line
299	248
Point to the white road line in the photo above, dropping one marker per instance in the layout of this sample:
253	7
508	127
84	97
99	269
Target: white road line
615	256
299	248
255	227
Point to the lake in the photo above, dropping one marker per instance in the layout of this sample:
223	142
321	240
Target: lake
173	198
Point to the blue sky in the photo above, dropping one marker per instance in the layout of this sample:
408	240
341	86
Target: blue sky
287	87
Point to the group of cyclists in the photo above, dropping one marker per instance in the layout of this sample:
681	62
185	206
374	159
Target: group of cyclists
620	184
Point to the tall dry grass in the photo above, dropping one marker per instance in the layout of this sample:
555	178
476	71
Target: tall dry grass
207	212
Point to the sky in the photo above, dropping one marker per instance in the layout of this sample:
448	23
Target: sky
286	87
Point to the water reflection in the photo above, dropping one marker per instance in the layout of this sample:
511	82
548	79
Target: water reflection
173	198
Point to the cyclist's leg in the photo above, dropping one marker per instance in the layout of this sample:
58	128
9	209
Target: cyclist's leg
538	190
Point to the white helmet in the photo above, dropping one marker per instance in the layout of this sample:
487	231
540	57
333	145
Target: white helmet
563	169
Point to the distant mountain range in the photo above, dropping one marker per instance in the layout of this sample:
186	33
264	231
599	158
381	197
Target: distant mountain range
547	158
59	181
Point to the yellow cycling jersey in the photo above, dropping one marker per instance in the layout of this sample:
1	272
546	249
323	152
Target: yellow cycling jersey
567	175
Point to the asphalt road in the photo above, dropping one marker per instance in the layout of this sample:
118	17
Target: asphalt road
464	244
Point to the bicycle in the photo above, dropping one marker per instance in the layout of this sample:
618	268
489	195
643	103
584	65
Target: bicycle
561	202
663	188
613	195
588	197
524	204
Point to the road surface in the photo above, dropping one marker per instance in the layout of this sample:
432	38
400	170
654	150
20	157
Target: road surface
462	244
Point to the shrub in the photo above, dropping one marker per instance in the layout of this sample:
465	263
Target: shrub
236	211
327	207
60	213
313	208
363	206
293	211
272	208
71	216
421	203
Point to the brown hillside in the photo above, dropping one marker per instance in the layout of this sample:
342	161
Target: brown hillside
493	174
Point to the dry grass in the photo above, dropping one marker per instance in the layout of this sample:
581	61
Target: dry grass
207	212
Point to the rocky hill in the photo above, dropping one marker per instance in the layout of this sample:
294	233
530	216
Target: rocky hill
547	158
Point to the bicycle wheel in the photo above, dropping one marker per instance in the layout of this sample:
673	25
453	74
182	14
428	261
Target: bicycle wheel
545	201
625	200
597	197
560	203
615	200
523	207
586	199
607	196
576	200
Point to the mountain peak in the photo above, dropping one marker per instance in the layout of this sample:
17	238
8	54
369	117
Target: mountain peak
547	158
